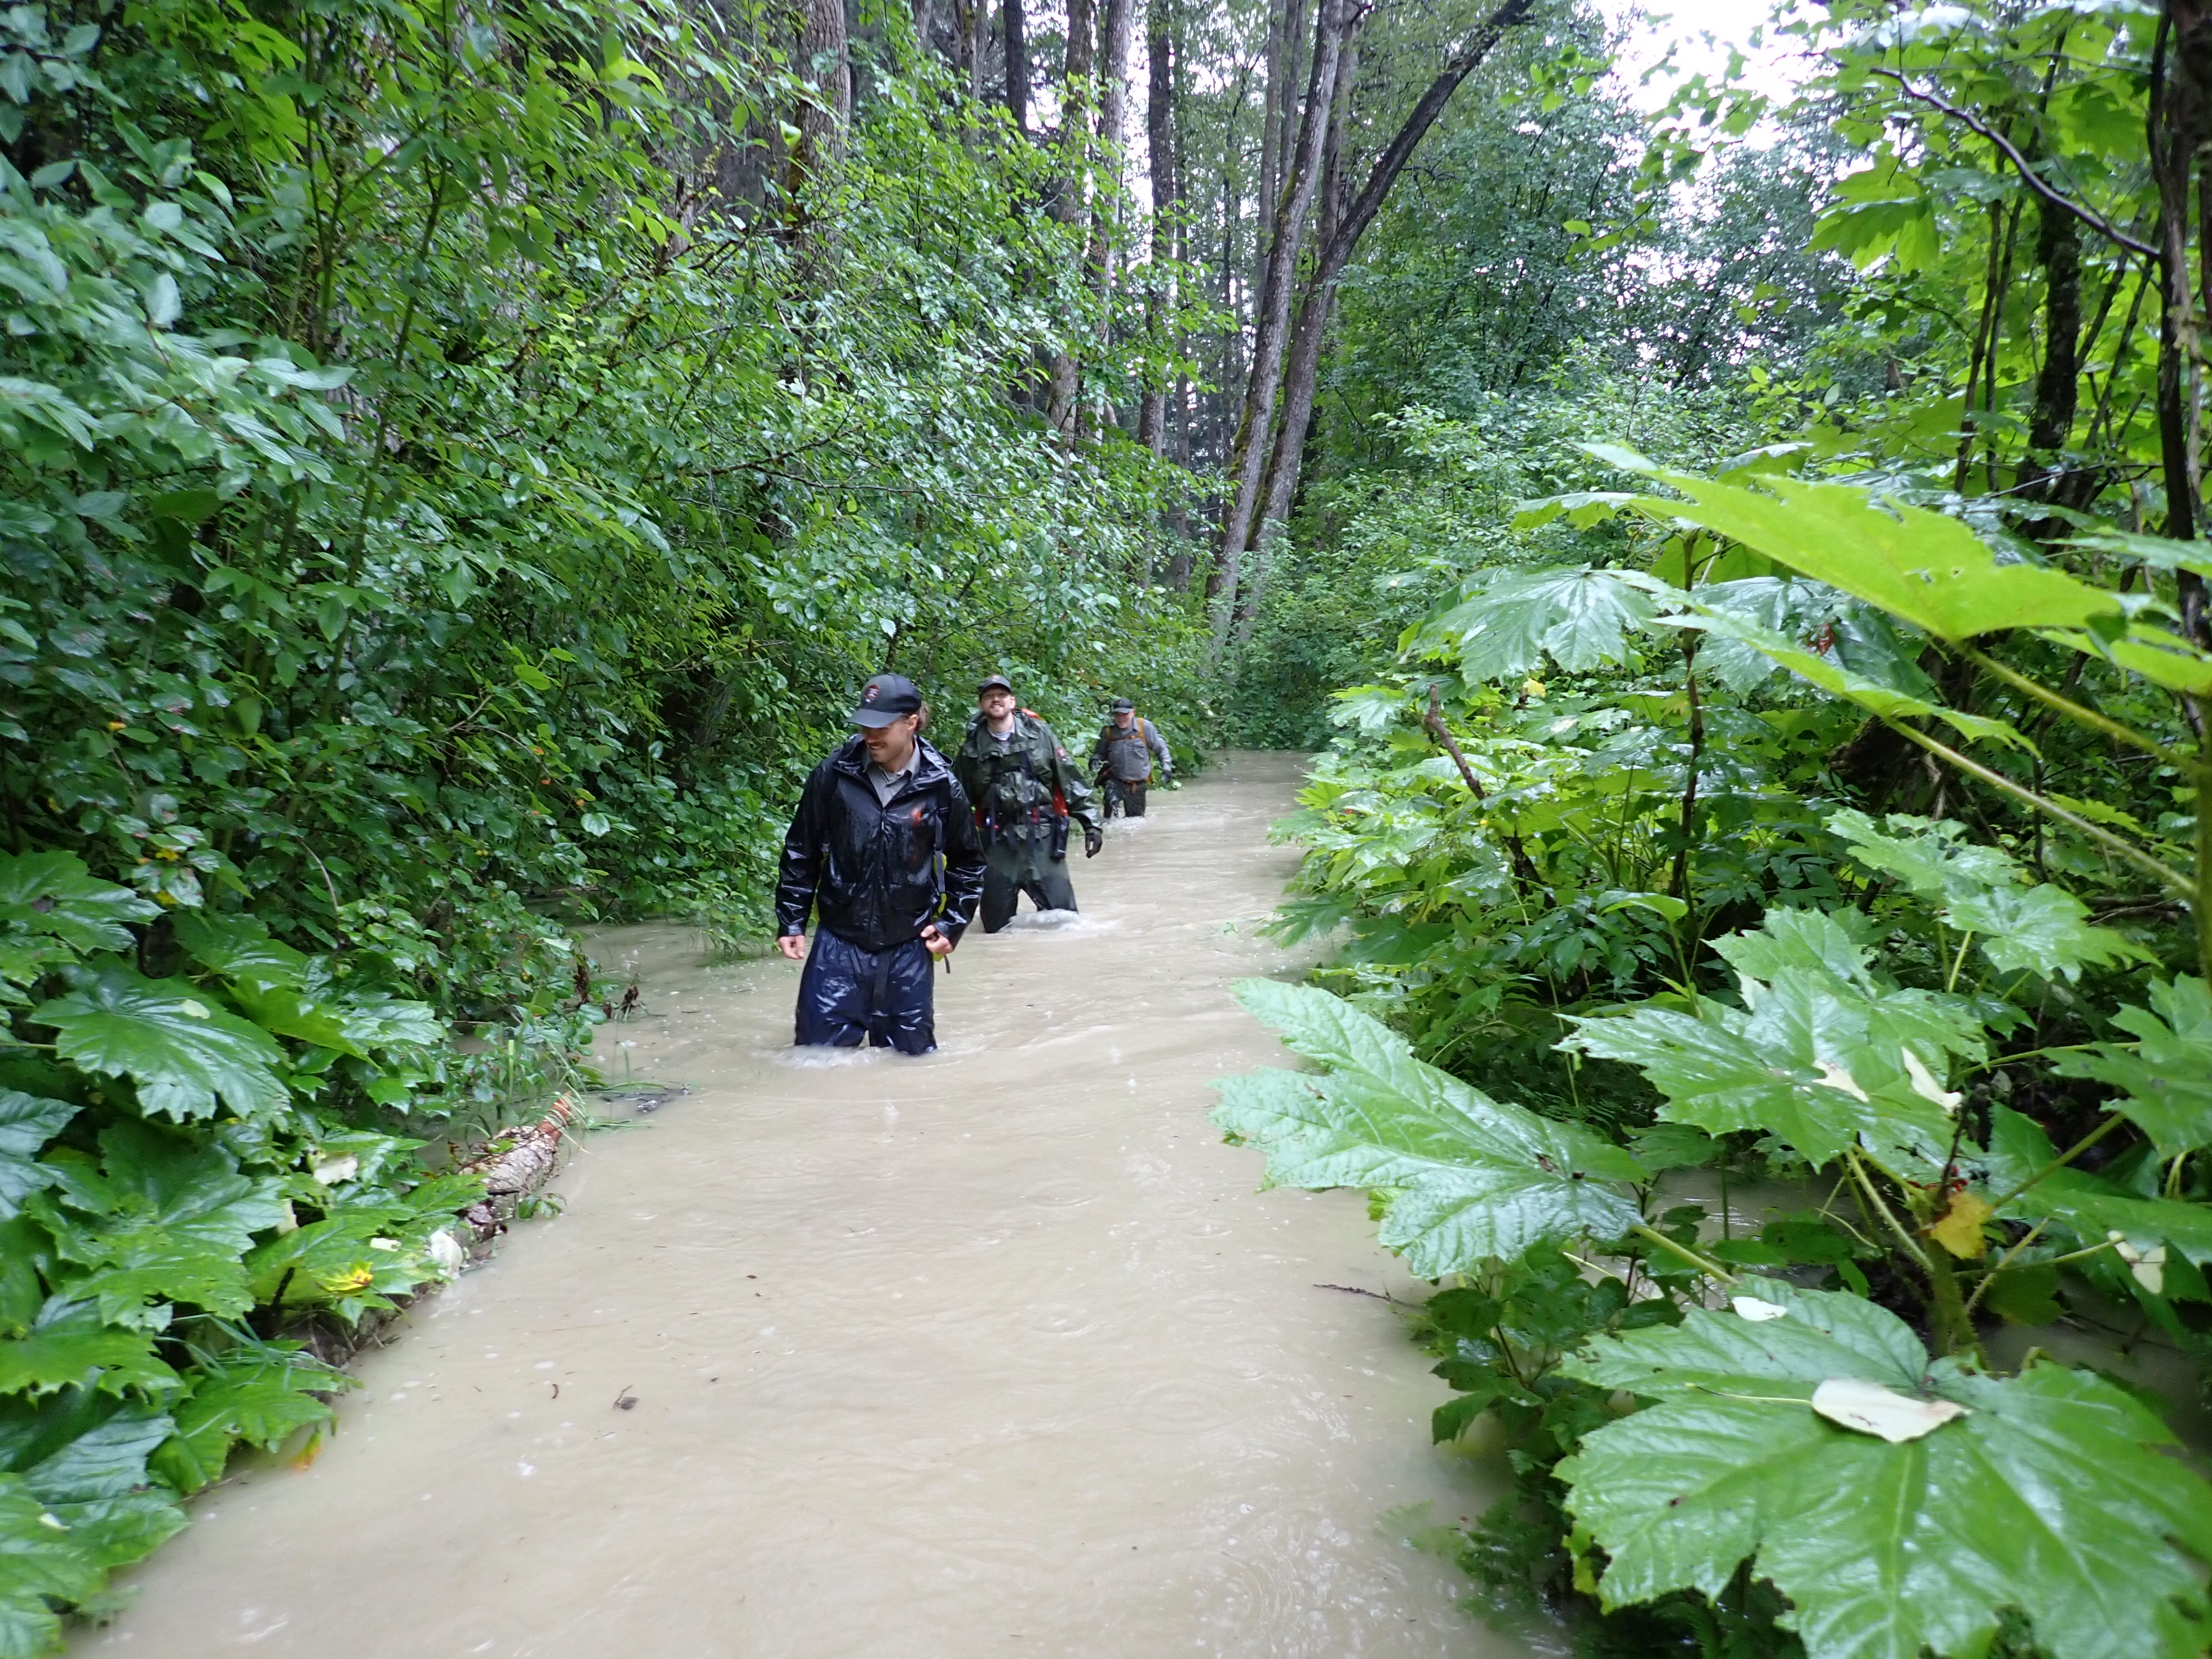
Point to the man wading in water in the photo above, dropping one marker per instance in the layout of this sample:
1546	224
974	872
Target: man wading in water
1026	789
1123	758
876	824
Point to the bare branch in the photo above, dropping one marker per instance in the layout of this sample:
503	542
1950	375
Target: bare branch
2028	175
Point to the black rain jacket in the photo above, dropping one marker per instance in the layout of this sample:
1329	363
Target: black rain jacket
871	870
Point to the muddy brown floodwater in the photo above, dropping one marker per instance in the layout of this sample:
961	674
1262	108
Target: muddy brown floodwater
995	1352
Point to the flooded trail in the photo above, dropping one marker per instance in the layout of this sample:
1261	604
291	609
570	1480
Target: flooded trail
995	1352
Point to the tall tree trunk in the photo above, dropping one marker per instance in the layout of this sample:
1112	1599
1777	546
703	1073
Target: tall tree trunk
2058	381
1274	316
1018	63
1294	70
1113	134
1302	374
968	48
825	64
1076	100
1275	100
1160	153
925	24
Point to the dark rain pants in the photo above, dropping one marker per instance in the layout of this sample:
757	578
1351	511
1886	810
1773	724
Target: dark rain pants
1048	889
1126	796
847	995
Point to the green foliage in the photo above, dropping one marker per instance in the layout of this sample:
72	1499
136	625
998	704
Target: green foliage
1470	1178
2048	1491
1657	888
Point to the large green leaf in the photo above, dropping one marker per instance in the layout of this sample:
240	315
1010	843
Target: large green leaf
1926	568
240	949
2051	1492
40	1565
173	1220
1982	890
100	1487
260	1399
1876	696
1930	570
283	1012
1470	1178
172	1040
1817	1055
54	895
1580	618
68	1345
27	1123
2087	1206
2166	1076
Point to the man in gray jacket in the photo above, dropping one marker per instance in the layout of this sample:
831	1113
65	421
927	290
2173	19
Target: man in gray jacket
1123	758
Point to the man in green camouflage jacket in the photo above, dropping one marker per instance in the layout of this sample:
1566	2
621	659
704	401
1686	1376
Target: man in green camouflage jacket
1024	789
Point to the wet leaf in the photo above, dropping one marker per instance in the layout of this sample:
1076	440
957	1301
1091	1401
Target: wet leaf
2021	928
40	1565
2166	1076
2053	1493
240	949
1959	1230
99	1488
68	1345
261	1400
122	1025
53	894
27	1123
1580	618
1469	1177
1872	1409
2087	1206
1817	1055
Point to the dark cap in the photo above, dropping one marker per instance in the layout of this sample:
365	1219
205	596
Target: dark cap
886	698
1123	706
995	682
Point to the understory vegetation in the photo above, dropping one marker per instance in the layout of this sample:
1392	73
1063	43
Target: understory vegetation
1749	585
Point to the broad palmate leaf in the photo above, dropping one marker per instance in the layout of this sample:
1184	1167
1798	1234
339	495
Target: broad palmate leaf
54	895
2021	927
2165	1077
260	1399
27	1123
171	1039
2051	1492
1819	1055
172	1218
38	1562
1470	1177
1580	618
98	1487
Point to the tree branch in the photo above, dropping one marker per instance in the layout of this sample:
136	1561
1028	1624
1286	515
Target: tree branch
2028	175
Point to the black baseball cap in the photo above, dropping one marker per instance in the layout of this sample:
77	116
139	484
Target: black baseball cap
886	698
1123	706
995	682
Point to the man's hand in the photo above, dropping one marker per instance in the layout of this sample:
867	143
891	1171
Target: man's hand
793	945
935	942
1092	841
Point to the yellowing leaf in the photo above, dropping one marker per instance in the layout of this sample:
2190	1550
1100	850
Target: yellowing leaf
1872	1409
1959	1228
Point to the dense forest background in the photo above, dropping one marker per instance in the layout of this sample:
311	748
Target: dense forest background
1732	538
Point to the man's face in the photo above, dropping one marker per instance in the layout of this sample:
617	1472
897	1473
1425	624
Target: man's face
996	703
890	745
1125	718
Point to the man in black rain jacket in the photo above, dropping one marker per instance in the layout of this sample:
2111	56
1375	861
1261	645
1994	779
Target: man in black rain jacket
884	848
